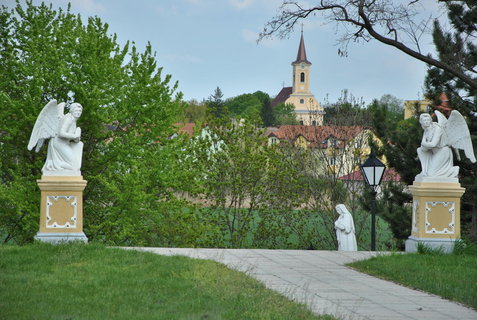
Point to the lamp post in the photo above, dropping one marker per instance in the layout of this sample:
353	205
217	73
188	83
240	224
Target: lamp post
373	171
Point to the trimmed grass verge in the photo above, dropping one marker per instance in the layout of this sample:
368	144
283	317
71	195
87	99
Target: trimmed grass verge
453	277
77	281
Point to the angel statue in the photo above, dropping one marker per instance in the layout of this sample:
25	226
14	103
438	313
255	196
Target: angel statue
64	148
435	151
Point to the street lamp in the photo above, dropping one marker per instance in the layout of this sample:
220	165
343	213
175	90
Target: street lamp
373	171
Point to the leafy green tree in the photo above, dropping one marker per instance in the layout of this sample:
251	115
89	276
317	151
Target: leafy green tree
233	156
128	107
348	110
284	114
254	107
245	106
195	112
266	110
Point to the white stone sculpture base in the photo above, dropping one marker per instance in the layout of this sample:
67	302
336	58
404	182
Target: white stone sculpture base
446	245
61	210
60	237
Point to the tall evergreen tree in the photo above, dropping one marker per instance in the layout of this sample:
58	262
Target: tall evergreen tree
216	104
400	139
458	48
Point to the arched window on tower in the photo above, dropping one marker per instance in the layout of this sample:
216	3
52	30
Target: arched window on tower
302	77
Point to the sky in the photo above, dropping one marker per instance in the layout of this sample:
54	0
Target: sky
205	44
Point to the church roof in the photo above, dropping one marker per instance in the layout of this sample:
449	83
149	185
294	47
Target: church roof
301	56
282	96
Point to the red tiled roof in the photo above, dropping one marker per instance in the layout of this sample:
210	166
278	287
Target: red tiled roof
282	96
317	135
389	175
187	128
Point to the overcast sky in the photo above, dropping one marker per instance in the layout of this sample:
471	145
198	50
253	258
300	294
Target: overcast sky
208	43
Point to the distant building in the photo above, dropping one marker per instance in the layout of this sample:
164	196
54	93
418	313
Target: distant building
340	149
410	107
307	109
355	180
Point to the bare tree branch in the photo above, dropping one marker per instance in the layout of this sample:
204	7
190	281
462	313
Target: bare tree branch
389	23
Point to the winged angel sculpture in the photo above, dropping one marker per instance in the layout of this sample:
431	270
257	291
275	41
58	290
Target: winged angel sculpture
435	152
64	148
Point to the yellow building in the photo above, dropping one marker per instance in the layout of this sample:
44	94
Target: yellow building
307	109
338	149
410	107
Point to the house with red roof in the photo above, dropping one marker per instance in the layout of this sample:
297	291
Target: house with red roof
339	150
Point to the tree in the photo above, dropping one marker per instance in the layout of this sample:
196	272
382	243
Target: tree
216	105
394	24
327	158
266	113
254	107
284	114
457	46
234	178
245	106
348	110
401	138
401	25
128	107
195	112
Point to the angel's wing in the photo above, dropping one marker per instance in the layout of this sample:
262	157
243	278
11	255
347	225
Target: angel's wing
441	119
459	136
46	125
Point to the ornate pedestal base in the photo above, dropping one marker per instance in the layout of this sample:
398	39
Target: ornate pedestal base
435	215
61	212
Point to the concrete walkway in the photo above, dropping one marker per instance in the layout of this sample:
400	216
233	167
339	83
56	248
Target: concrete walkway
320	280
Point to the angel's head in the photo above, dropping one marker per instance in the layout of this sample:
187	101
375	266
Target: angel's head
76	110
425	120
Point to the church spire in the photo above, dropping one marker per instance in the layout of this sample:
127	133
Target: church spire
301	56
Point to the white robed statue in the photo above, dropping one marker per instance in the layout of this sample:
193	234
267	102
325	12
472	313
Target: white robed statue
435	152
64	148
345	232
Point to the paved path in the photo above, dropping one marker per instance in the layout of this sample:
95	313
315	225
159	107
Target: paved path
320	279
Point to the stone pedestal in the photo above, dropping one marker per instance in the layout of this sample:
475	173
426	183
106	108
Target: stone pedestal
61	212
435	215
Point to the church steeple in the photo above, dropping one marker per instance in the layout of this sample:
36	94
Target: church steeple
301	70
301	56
307	109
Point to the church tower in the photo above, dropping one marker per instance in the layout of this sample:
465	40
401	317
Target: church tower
301	70
307	109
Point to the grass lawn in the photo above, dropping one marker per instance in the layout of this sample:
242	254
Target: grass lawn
76	281
453	277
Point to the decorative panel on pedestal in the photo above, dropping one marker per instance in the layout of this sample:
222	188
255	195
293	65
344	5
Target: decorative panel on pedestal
61	212
435	215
